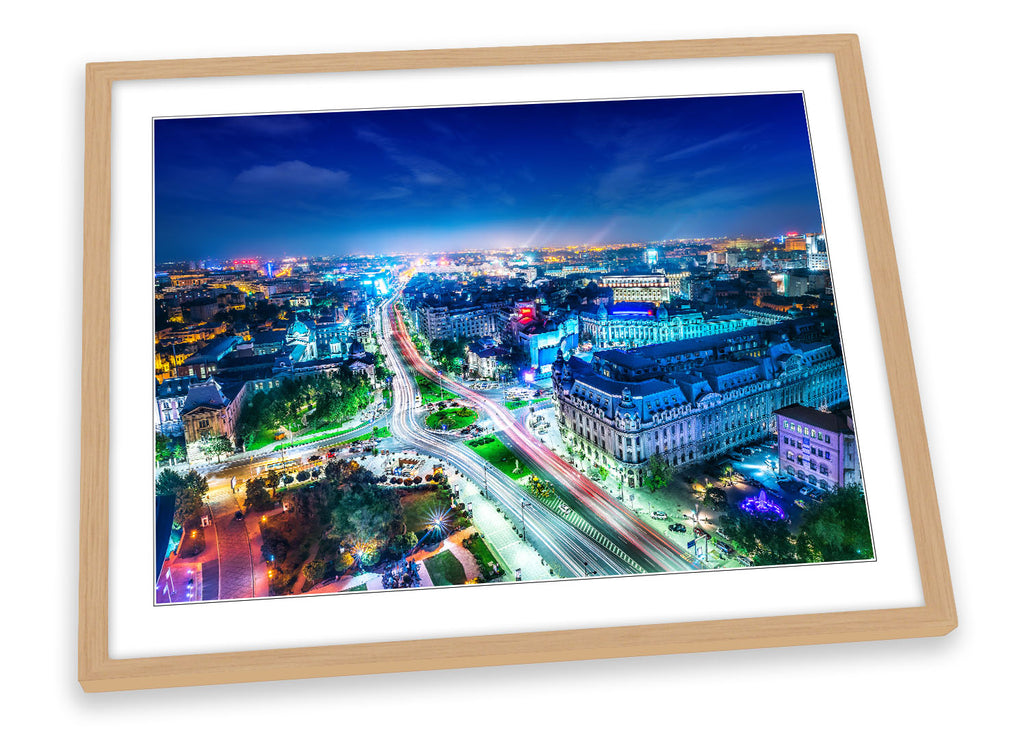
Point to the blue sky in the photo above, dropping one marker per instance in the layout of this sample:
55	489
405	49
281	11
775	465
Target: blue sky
476	177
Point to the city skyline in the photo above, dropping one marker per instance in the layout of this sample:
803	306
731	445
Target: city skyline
474	178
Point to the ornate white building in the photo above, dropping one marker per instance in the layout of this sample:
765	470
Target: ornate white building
634	324
689	401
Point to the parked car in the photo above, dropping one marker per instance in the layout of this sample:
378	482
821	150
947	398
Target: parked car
658	515
744	560
801	503
564	508
677	527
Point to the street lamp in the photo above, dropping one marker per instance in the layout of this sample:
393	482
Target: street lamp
522	514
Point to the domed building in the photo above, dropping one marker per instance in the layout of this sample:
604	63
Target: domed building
300	340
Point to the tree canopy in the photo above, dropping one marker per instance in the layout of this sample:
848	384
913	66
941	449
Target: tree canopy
837	527
449	353
659	472
767	539
257	496
324	400
189	492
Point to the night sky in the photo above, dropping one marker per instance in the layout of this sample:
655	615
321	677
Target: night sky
476	177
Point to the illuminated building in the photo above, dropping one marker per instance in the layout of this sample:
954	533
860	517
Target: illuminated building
817	447
542	337
451	322
633	324
817	253
637	287
203	364
170	399
210	410
484	357
795	242
300	340
689	401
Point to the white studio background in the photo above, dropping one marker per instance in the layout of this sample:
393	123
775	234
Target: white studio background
946	116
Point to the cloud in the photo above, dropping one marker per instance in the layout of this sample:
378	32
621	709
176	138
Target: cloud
620	181
391	193
292	175
423	170
701	147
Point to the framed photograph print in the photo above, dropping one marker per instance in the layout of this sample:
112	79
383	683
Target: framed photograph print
434	359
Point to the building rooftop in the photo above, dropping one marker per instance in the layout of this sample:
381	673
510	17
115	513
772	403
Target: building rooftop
832	422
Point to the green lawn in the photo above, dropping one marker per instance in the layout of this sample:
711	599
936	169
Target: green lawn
500	455
454	417
378	432
360	587
445	569
430	391
263	438
479	548
513	404
316	435
419	507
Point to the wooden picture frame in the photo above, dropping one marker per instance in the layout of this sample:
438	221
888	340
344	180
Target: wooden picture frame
99	672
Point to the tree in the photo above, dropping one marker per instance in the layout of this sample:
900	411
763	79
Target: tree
217	445
659	472
714	498
836	528
168	449
168	483
767	539
364	514
257	497
314	570
273	480
189	492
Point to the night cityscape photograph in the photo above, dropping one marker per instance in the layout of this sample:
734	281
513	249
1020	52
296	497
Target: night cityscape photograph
409	348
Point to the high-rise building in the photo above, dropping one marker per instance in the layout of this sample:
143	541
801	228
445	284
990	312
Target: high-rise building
817	253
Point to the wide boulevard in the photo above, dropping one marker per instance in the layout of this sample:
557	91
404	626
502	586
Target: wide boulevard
641	543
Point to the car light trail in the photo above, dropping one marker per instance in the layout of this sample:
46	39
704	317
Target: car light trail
654	552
